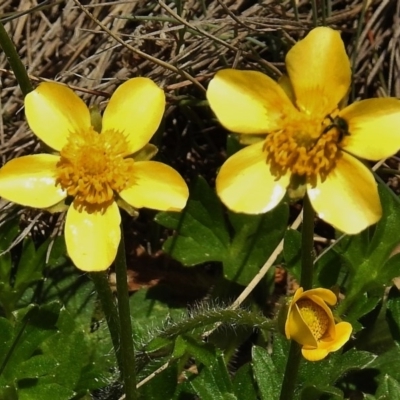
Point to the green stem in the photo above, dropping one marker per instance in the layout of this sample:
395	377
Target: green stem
390	171
110	311
292	367
314	12
307	245
306	281
126	349
15	62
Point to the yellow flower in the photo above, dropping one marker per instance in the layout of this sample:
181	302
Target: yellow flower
94	169
307	141
310	323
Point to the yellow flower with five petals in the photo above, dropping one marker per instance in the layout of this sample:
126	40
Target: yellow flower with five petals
308	141
310	322
95	169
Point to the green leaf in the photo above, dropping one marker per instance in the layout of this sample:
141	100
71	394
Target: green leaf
44	391
390	270
214	377
393	313
6	333
326	372
79	366
244	385
280	351
9	392
265	374
204	353
205	386
203	235
58	253
233	144
35	326
221	374
389	389
366	255
388	363
363	305
149	311
66	283
162	386
8	231
37	366
31	264
385	237
316	392
180	347
202	232
255	238
329	270
292	252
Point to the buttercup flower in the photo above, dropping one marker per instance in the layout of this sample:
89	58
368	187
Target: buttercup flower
307	142
310	323
95	169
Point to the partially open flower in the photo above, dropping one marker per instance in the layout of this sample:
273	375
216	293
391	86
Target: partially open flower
94	168
307	140
310	323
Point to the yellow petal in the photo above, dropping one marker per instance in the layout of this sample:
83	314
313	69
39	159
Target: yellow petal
247	101
92	239
325	346
348	199
285	83
325	294
245	184
31	181
373	127
53	110
343	333
156	186
298	330
298	294
136	109
319	70
314	354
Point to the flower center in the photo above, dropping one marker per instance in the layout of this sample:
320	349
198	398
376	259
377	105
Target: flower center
305	147
92	167
314	316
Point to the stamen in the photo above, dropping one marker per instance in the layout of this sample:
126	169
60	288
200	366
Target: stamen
303	148
92	167
314	316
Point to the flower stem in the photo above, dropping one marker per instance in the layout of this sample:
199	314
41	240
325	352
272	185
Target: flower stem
126	349
307	245
306	281
291	370
15	62
110	311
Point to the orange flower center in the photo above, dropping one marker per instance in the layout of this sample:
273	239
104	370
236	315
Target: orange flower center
314	316
93	167
305	146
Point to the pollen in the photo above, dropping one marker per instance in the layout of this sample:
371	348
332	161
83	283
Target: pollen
314	316
93	167
303	147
